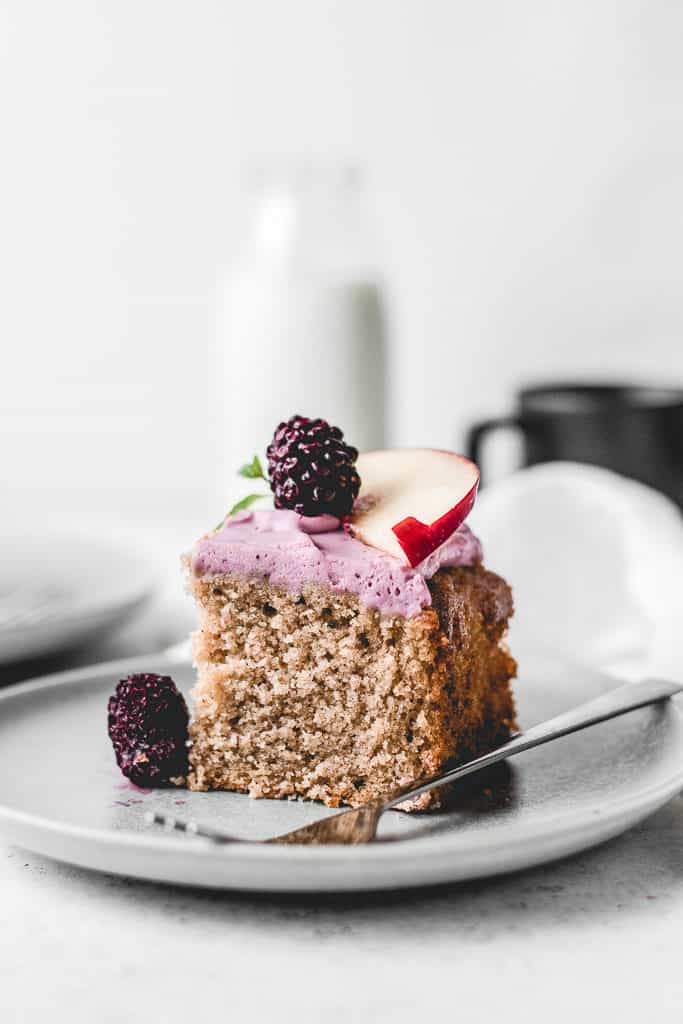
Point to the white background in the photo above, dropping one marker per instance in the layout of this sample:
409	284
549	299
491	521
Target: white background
525	163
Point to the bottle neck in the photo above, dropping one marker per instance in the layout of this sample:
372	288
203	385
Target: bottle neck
312	222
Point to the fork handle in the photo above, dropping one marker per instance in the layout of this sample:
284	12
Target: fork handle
616	702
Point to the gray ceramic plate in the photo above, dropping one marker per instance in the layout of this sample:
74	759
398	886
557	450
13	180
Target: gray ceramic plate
59	588
61	795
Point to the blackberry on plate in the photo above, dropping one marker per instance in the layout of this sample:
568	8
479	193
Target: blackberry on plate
147	724
311	468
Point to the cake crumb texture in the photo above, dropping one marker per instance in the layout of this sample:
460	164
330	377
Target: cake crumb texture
315	696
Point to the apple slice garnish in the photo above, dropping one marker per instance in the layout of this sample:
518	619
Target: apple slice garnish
412	499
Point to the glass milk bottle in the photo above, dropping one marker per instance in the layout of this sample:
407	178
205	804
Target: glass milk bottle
301	328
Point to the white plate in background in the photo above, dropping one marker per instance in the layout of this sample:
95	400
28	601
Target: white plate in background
62	795
58	589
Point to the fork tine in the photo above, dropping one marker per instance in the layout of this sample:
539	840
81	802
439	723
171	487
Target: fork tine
348	828
192	828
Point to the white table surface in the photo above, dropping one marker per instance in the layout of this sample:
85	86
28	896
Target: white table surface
600	934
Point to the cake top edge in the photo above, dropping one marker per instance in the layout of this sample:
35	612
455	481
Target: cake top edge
292	551
379	524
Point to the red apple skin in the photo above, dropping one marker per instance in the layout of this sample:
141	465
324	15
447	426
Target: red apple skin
418	540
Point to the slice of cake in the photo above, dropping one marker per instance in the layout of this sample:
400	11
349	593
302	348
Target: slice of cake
348	642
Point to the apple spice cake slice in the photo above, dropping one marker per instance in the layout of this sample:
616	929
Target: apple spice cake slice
329	666
314	695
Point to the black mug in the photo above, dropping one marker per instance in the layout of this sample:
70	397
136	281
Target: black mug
634	430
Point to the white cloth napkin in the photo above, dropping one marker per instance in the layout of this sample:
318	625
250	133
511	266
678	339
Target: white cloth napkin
596	565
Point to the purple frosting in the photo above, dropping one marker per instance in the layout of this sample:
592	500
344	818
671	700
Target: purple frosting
293	550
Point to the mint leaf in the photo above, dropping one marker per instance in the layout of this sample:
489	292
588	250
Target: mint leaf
252	470
245	503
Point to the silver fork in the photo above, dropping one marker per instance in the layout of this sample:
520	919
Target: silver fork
359	825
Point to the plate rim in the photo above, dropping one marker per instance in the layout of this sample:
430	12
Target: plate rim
550	826
84	614
128	590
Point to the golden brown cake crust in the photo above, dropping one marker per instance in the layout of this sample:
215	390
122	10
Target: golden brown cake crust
314	695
